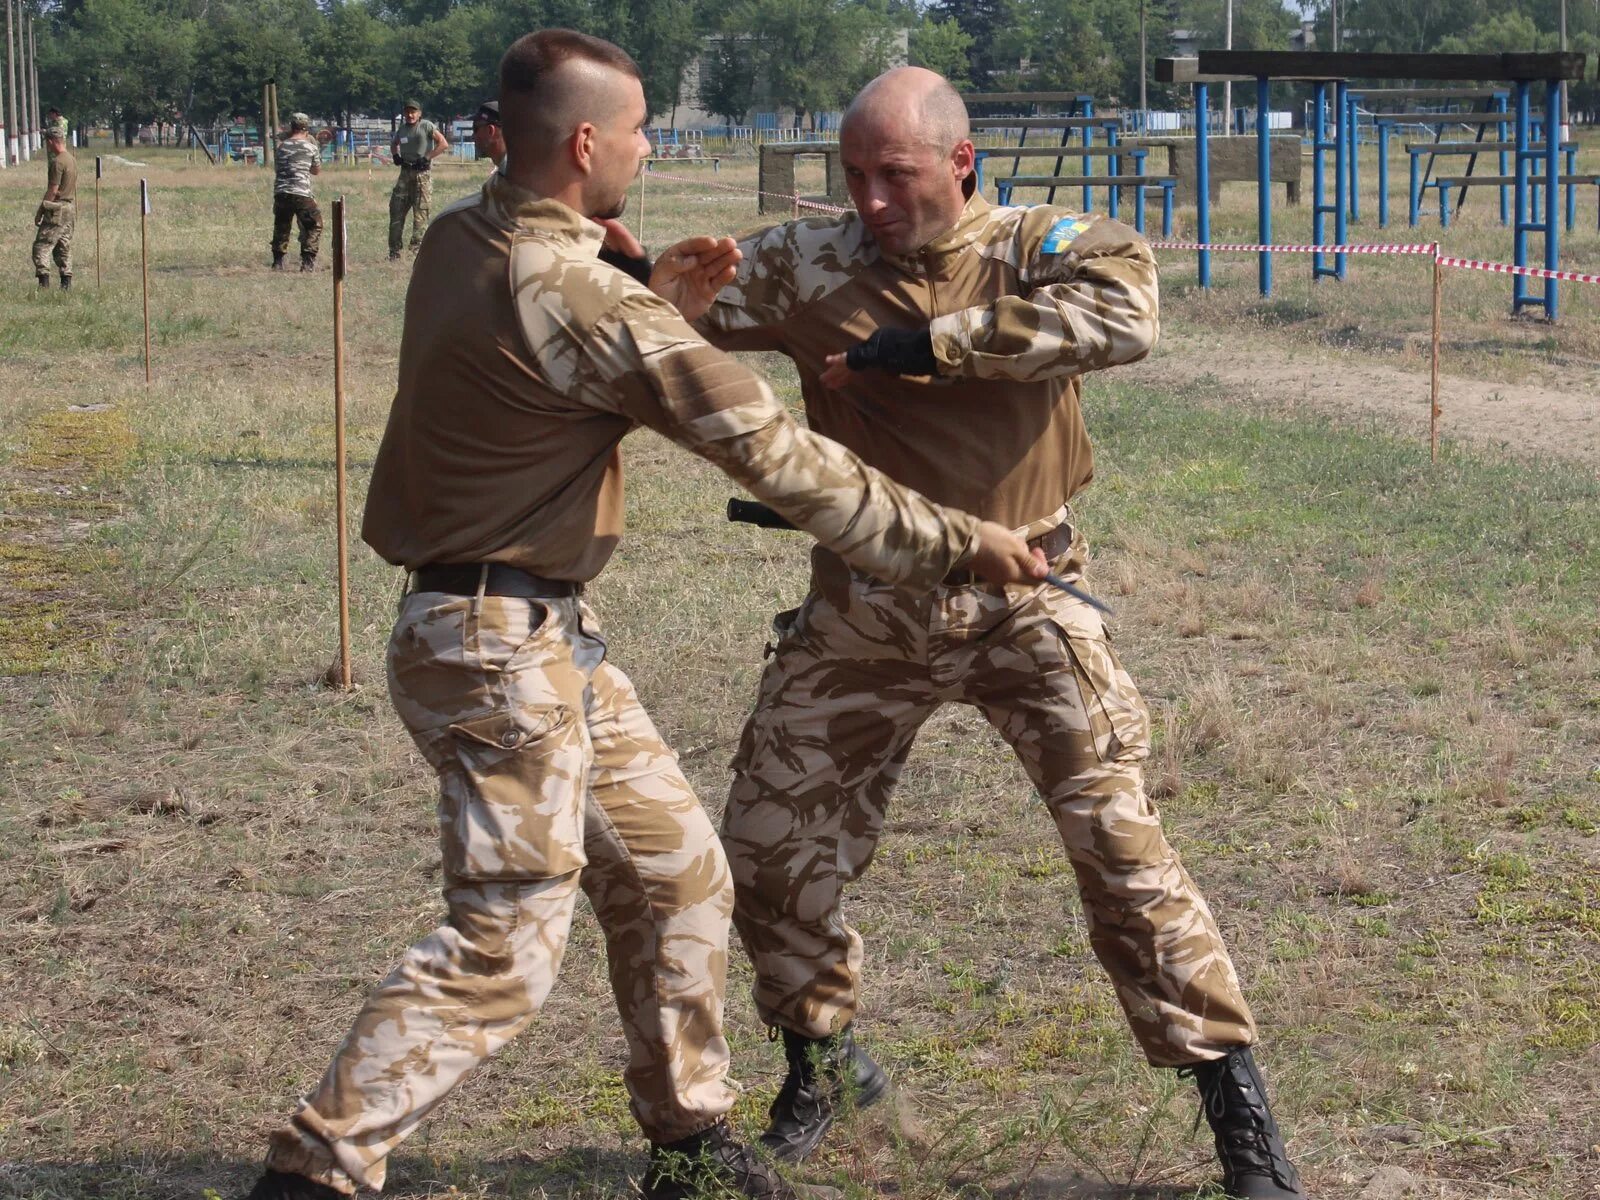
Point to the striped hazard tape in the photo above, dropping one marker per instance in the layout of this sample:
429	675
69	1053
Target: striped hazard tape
1421	249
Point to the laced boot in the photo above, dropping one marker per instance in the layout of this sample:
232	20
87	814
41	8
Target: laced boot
277	260
1233	1097
824	1075
44	281
282	1185
308	262
712	1164
66	283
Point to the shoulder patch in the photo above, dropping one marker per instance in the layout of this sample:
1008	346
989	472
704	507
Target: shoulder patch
1063	233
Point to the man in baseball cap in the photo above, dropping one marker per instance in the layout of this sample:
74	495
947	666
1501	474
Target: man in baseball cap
486	135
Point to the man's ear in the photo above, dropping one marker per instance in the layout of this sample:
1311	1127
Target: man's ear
963	158
582	144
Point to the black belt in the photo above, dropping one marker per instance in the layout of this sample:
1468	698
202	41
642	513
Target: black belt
464	579
1054	543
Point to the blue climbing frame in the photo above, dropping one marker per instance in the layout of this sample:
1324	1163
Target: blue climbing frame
1531	216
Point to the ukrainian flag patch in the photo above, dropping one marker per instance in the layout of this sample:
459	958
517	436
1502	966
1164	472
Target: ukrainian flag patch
1063	233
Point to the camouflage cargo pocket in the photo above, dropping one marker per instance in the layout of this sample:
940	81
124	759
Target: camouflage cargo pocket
514	808
1118	718
757	727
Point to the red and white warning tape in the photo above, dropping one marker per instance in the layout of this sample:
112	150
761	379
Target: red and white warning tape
1427	249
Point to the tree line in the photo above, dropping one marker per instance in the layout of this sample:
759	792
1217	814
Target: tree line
129	62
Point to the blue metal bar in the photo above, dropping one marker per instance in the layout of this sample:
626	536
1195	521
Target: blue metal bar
1166	208
1416	187
1113	168
1342	157
1552	199
1444	203
977	167
1519	229
1202	179
1087	107
1353	157
1383	174
1264	183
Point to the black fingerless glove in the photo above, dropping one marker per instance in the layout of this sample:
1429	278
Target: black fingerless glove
895	351
637	266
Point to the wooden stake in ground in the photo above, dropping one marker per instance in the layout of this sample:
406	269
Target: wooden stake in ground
97	169
345	681
144	266
1433	416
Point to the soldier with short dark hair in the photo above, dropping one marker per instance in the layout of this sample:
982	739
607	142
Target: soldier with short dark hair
524	362
487	139
299	158
56	214
55	122
416	143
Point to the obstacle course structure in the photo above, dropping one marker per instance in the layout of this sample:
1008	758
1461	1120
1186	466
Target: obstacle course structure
1536	173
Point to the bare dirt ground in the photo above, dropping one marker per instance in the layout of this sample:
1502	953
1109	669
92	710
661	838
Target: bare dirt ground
1526	419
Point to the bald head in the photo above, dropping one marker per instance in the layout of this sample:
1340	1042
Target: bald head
555	80
911	103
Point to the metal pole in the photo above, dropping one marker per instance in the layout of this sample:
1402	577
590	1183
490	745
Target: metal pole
1264	184
1552	195
144	267
1202	179
1227	88
345	680
1519	226
1433	417
1341	215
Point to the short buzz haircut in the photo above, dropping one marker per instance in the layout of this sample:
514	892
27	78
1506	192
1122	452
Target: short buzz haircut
528	75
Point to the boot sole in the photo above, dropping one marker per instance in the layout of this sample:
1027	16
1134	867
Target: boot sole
789	1153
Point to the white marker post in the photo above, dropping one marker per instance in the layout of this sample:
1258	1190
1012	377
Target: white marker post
144	266
345	680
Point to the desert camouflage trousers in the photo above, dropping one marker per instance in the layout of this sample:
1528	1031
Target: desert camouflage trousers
552	778
856	671
53	238
413	193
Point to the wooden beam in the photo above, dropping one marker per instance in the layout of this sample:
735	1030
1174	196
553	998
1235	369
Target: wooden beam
1025	97
1187	70
1430	93
1340	64
1046	122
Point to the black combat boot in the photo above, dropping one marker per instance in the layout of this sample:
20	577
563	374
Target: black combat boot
66	283
1233	1097
277	260
712	1163
308	262
281	1185
824	1075
44	281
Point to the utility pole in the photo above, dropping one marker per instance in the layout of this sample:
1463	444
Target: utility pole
38	110
27	83
1334	4
1144	99
1227	88
12	133
1565	114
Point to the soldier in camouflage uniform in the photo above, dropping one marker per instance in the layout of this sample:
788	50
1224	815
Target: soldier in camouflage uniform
944	341
414	147
56	214
524	361
299	158
55	122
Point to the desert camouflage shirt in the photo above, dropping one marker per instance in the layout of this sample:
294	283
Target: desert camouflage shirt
525	360
295	158
1021	302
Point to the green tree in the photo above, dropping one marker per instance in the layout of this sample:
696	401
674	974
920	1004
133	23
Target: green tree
353	56
122	61
945	47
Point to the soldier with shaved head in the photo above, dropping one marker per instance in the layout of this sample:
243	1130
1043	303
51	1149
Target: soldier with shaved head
945	341
524	362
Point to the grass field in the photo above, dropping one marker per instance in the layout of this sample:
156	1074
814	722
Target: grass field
1376	684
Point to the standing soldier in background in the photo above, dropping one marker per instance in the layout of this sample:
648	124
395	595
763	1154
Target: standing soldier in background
299	158
487	140
56	212
414	147
53	120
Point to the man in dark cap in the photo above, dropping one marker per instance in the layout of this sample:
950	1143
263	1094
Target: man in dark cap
414	147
